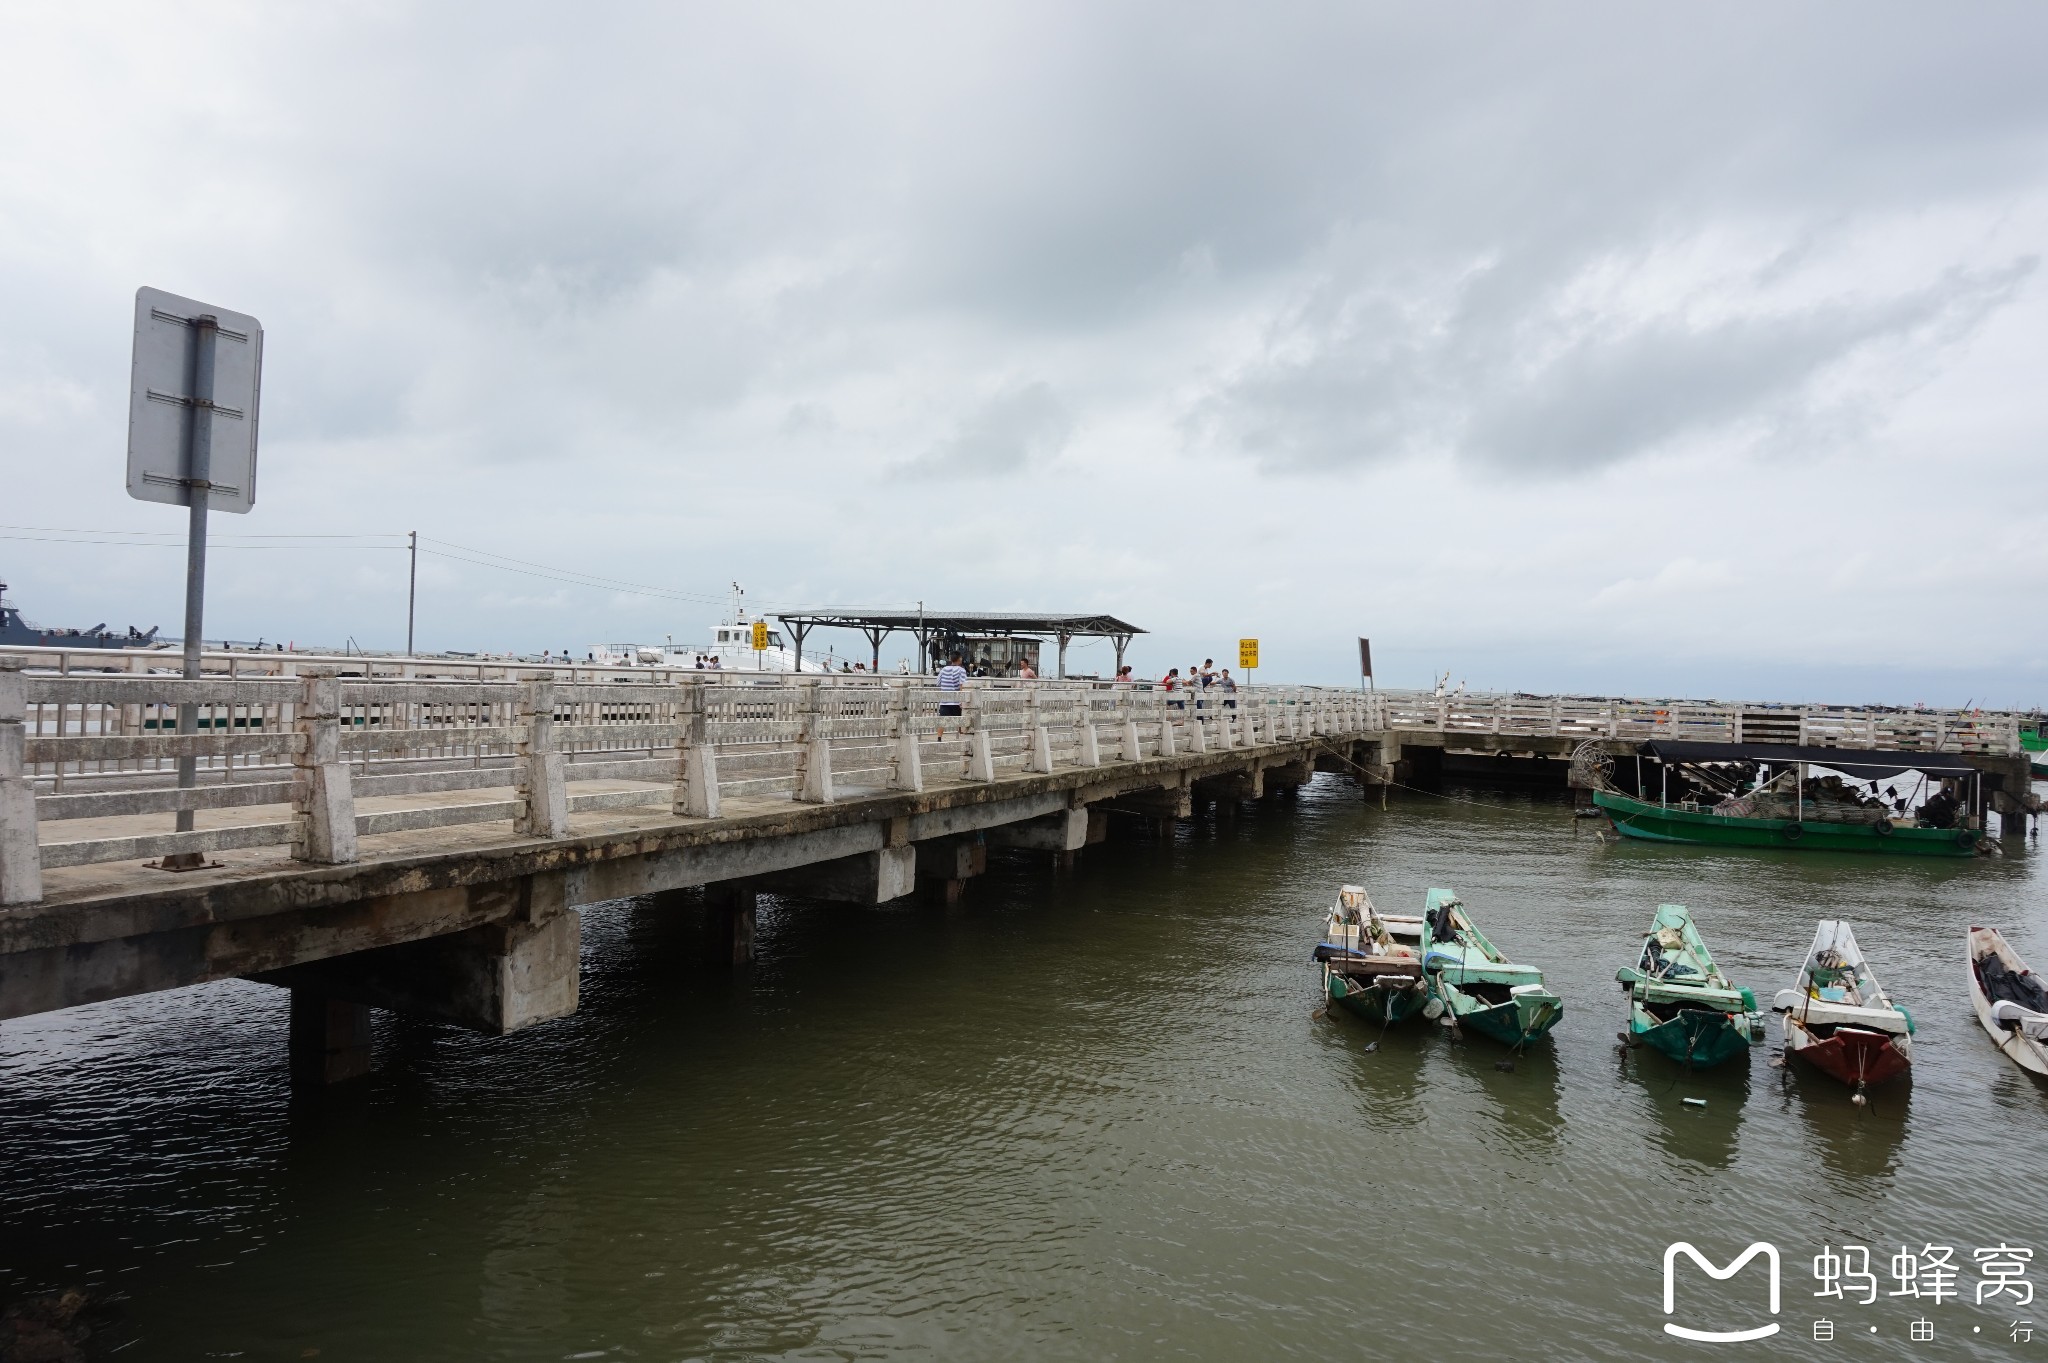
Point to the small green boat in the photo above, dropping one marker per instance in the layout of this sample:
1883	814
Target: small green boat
1480	988
1653	822
1680	1002
1368	968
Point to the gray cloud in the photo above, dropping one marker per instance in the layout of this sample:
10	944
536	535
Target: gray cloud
1022	425
600	285
1534	383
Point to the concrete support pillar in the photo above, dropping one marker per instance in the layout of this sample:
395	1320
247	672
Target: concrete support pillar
696	793
945	865
906	762
814	760
729	920
2012	815
21	866
1198	725
542	792
322	800
329	1039
508	974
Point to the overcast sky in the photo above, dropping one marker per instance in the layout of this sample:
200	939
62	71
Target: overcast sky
1691	351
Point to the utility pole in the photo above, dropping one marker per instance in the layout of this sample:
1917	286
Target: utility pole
412	587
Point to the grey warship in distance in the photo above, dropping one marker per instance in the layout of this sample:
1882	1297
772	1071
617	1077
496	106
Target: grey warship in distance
16	632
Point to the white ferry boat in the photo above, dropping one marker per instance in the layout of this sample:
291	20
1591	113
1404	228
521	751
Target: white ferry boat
731	649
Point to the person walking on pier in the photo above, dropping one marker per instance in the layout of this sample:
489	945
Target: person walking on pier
1228	688
951	678
1024	672
1167	683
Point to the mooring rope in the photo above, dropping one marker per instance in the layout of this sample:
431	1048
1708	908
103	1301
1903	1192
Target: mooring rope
1456	800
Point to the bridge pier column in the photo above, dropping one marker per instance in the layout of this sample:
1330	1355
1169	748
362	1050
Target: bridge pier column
945	865
498	978
729	924
329	1040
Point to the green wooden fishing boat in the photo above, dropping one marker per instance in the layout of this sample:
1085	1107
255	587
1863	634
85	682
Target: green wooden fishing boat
1653	822
1680	1003
1475	984
1370	963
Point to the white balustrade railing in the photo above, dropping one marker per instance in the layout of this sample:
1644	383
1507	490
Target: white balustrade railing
106	745
319	735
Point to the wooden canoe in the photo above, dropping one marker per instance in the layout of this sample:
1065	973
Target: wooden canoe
2011	1003
1838	1017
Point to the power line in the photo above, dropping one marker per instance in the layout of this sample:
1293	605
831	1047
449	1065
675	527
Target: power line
564	574
152	544
569	581
179	535
468	554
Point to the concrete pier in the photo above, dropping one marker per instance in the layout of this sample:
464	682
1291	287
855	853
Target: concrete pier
422	844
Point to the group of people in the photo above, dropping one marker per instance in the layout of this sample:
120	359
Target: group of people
1199	681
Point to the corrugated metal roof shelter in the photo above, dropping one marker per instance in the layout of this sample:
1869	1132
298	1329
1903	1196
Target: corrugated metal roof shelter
929	625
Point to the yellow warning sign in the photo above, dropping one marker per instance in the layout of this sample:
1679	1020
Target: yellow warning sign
1247	653
760	635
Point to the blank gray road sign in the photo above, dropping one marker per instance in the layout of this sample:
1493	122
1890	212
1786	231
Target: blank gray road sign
159	401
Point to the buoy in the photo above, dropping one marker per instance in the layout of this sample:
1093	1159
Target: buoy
1695	1102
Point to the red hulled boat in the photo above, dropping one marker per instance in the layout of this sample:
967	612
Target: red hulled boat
1839	1019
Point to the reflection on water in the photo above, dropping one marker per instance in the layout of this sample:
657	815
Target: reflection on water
1074	1117
1858	1148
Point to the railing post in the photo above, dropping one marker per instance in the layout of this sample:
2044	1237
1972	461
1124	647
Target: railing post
323	801
814	761
906	763
542	791
1091	742
1040	754
981	757
696	795
1166	725
21	865
1128	704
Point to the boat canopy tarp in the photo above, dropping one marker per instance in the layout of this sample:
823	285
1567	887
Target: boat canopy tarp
1868	764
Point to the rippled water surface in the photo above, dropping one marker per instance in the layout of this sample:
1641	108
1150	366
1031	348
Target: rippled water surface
1073	1117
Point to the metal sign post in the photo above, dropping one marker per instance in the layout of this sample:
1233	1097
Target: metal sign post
1365	662
192	404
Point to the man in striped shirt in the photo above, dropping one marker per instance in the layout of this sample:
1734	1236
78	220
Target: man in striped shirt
951	678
